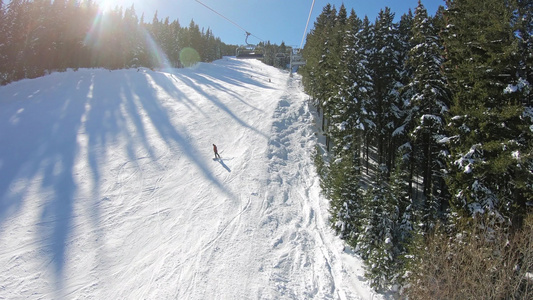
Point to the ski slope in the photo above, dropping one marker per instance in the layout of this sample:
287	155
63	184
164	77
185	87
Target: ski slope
109	190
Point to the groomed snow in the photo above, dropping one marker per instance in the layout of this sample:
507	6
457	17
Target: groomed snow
109	190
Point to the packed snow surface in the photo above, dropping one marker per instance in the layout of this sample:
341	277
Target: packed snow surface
109	190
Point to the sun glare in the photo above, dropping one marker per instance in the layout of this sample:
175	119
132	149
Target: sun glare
100	26
107	5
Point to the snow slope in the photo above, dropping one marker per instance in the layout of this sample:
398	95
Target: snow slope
109	190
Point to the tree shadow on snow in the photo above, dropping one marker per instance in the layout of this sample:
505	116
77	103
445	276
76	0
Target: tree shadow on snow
47	121
187	80
38	141
169	132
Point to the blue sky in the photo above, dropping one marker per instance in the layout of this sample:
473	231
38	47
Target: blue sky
268	20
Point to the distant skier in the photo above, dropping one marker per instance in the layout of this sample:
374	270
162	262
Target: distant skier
216	151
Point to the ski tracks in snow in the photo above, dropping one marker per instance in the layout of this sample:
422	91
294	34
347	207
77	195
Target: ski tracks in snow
298	270
306	259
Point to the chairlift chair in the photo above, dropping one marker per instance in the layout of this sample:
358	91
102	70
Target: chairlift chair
248	51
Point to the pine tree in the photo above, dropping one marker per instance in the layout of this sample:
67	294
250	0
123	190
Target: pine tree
115	52
341	108
74	34
166	38
524	26
378	239
388	218
28	62
326	71
83	18
16	22
174	44
365	86
58	28
343	189
428	105
195	36
312	53
210	53
346	107
490	138
133	40
405	44
386	70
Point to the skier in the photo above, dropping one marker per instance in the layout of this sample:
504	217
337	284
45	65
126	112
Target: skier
216	151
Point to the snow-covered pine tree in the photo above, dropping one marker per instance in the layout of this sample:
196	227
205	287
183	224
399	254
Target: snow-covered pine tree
524	87
403	120
357	85
348	122
385	228
338	103
141	51
342	184
168	42
343	189
365	87
330	69
75	33
57	24
408	214
427	107
346	107
524	26
17	21
133	39
490	142
386	71
401	129
37	53
312	72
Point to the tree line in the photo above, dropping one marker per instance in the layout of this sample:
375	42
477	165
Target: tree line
428	125
41	36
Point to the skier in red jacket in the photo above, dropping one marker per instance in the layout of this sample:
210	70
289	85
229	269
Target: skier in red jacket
216	151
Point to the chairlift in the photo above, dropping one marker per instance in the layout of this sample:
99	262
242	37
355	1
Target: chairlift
296	59
249	50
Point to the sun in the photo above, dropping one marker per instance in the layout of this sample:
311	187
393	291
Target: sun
107	5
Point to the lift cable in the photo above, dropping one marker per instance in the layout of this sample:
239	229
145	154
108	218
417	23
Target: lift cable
246	31
307	24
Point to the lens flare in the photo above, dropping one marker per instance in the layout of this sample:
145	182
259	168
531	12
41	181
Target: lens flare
102	31
158	57
96	27
189	57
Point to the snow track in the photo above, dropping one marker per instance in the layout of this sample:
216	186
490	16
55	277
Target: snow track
108	189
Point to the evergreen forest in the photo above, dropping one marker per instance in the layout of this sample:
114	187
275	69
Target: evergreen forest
41	36
427	124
